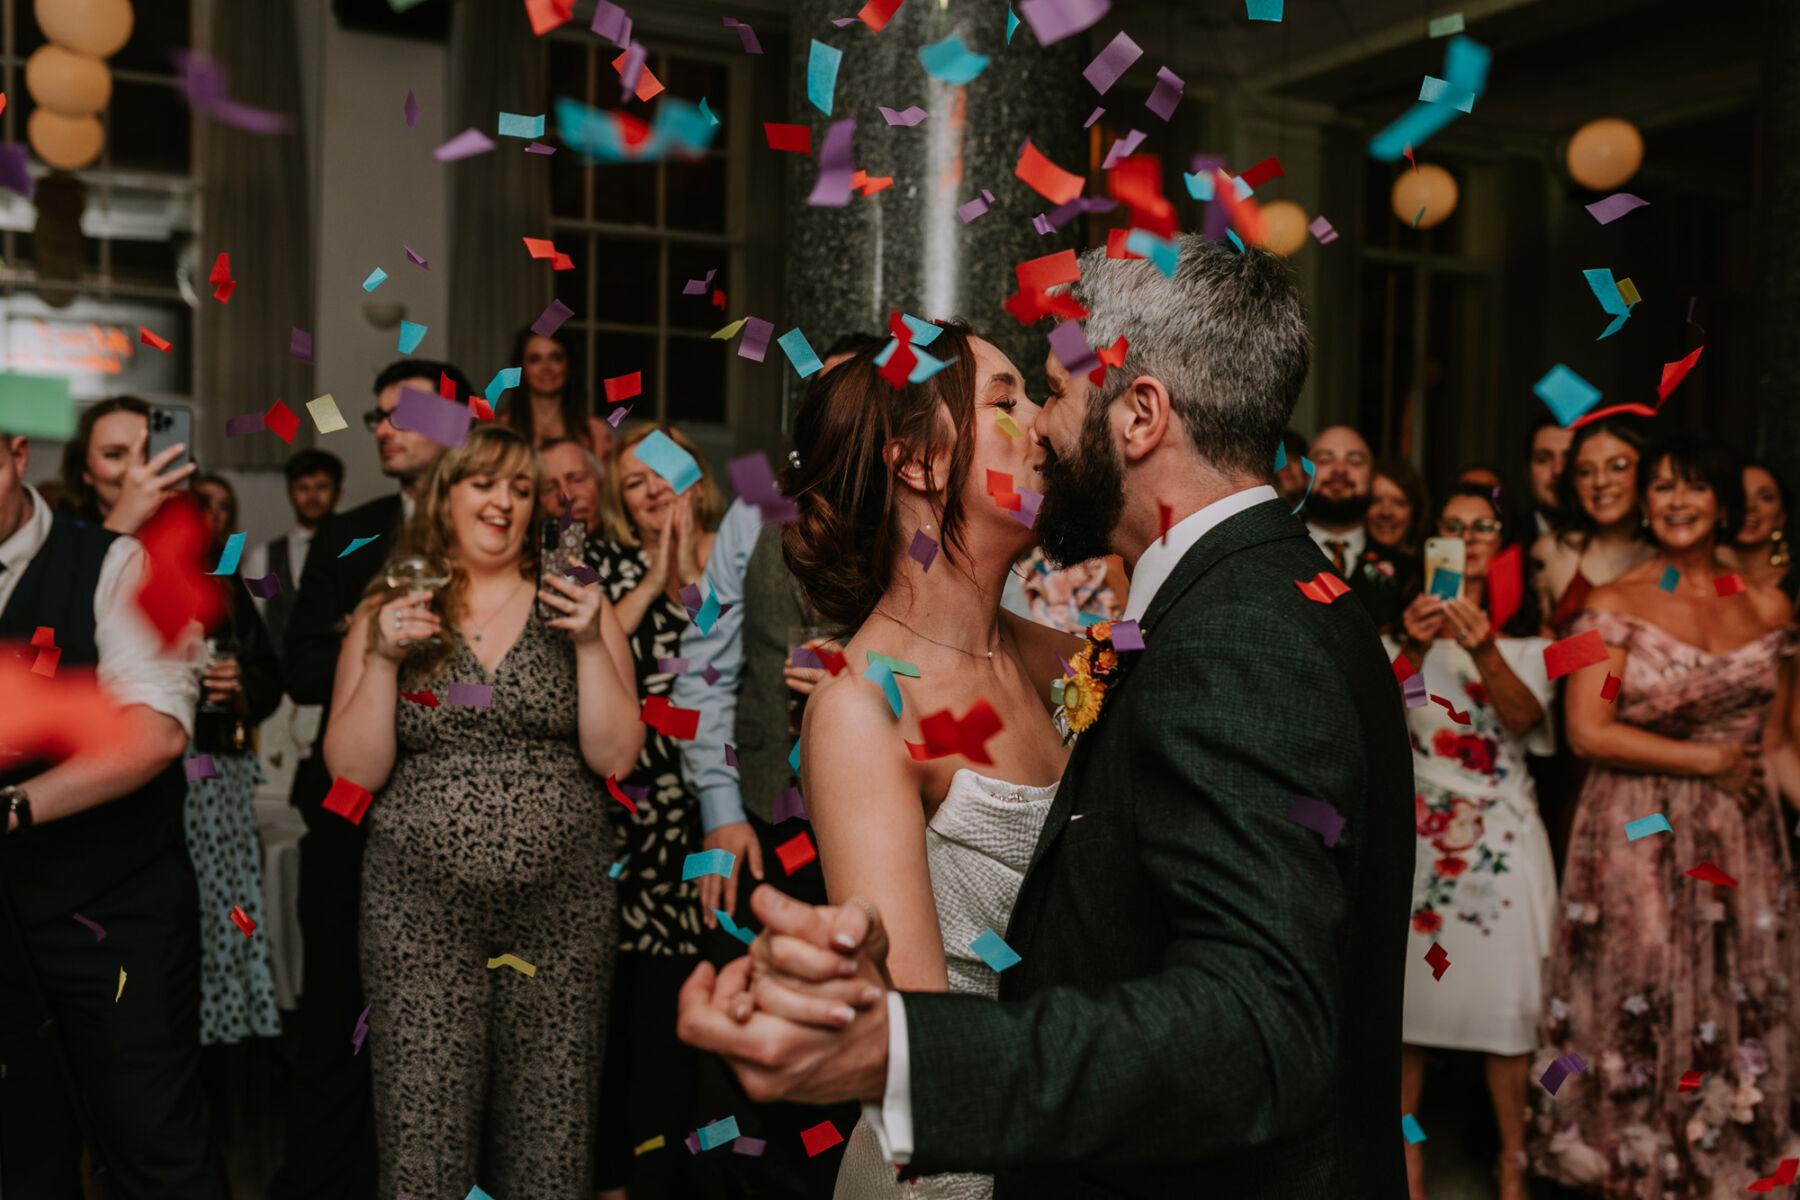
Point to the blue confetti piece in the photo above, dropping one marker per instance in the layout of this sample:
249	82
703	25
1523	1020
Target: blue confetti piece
732	927
1566	394
1409	1125
357	544
514	125
718	1133
1465	73
1444	583
994	951
708	862
708	614
618	868
951	61
374	279
924	332
1200	187
505	377
1012	23
794	756
1433	90
1645	826
821	75
1606	291
1264	10
1670	578
1312	477
475	1193
799	351
707	112
411	334
1280	455
659	452
234	550
1088	618
1163	253
1236	241
879	672
678	128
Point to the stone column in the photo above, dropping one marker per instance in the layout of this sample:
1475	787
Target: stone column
905	247
1777	399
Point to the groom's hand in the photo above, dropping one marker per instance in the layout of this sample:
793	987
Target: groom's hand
778	1059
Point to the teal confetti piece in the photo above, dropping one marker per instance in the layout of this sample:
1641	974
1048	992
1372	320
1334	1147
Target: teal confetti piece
505	377
37	406
1612	301
234	550
707	112
1418	216
618	868
374	279
821	75
1239	242
708	862
1165	253
1264	10
994	951
1200	187
1312	477
1565	393
514	125
358	544
475	1192
659	452
1433	90
718	1133
794	756
1645	826
925	365
708	614
411	334
1012	23
1465	70
799	351
952	62
1280	456
1409	1125
924	332
878	671
732	927
1670	578
1087	618
898	666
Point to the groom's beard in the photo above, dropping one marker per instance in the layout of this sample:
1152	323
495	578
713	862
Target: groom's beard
1348	511
1084	493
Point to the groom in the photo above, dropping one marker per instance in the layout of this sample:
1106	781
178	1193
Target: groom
1208	997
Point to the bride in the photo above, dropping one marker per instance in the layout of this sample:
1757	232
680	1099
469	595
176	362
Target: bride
938	844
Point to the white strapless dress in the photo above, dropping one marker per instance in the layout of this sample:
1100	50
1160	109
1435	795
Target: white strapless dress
978	844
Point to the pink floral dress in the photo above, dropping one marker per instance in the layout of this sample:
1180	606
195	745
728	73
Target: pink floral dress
1655	973
1484	885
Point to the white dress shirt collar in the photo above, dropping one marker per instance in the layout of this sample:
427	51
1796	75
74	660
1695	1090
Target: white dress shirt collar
1157	563
1355	542
17	551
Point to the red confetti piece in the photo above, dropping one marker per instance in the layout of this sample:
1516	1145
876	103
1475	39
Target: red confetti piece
446	386
1037	276
546	15
1165	518
425	698
1728	585
1245	215
1115	244
46	661
1783	1176
1137	183
282	422
648	87
1673	373
901	362
1711	874
1505	585
1046	178
822	1136
946	734
242	920
1613	410
1461	718
220	276
1690	1082
1438	959
176	588
481	408
1000	487
1323	588
43	636
612	786
1269	168
1111	356
348	800
1573	653
797	138
1610	688
666	719
623	387
151	339
870	184
796	852
876	13
718	299
1403	669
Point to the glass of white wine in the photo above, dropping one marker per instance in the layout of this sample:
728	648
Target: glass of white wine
414	574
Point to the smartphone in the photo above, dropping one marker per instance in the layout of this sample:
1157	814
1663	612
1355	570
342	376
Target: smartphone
169	426
1445	559
556	546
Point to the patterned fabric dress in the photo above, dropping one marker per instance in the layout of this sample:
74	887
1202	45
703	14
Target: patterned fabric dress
658	912
1654	973
237	989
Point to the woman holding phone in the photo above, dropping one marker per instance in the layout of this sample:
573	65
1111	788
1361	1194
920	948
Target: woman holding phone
1484	886
490	834
106	473
652	543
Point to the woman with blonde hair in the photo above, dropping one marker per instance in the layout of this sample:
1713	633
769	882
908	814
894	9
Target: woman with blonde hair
486	737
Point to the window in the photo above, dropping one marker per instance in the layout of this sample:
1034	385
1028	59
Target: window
637	233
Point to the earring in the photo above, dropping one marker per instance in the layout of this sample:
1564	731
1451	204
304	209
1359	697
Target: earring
1644	521
1778	550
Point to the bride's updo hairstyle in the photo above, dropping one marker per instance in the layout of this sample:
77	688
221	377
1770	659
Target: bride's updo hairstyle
852	433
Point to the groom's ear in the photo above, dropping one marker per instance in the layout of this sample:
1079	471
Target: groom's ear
1143	413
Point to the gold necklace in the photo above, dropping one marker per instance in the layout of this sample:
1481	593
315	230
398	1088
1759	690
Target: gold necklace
933	641
482	628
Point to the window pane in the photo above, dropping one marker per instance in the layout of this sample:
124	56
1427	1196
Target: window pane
148	263
568	77
696	197
625	193
626	278
158	29
574	344
693	262
696	390
618	354
694	78
149	128
571	285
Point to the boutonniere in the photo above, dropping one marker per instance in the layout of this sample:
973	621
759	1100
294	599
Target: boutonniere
1095	667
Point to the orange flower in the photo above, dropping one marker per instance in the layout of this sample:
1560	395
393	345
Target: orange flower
1107	661
1100	631
1081	699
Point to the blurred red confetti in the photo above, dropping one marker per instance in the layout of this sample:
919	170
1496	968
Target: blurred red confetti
176	588
150	339
946	734
242	920
796	852
348	800
1439	961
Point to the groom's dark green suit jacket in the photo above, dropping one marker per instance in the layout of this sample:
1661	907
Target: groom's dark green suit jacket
1209	998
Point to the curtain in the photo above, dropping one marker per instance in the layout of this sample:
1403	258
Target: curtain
496	289
254	206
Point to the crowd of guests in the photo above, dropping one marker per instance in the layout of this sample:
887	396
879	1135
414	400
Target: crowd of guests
460	672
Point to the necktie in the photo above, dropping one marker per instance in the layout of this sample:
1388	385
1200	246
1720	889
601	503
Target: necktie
1337	546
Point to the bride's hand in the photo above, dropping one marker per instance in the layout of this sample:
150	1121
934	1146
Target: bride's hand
812	964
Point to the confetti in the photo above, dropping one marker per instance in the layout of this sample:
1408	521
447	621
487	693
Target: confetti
1728	585
1565	393
325	414
1610	689
1689	1082
923	550
837	168
515	962
552	319
411	109
357	544
374	280
1561	1069
1112	62
150	339
200	767
1263	10
796	852
1445	26
1614	206
745	34
1167	95
466	144
1053	20
347	800
1323	588
1409	1128
994	951
1708	872
1645	826
708	862
876	13
242	920
820	1137
121	990
1318	816
908	116
1438	959
1673	373
821	75
795	138
949	61
718	1133
99	933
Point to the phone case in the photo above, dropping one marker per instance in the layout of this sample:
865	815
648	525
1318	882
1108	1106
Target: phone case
557	547
1444	562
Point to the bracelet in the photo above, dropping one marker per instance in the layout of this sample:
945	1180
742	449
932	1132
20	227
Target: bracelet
18	806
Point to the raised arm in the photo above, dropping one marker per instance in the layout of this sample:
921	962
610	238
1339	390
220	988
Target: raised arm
1597	734
359	737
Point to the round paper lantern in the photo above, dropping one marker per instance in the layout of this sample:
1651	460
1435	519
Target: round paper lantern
1284	227
1603	154
98	28
1428	193
67	83
66	142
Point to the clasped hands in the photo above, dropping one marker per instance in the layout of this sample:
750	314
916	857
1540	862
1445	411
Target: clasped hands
803	1016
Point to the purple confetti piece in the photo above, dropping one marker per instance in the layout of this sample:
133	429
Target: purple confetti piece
1028	507
300	347
671	666
1167	95
638	795
1071	348
99	933
1127	636
789	805
924	549
200	767
15	170
466	144
203	82
266	588
471	695
697	287
247	423
1092	117
418	260
690	597
712	673
975	208
411	110
754	345
617	415
430	415
1122	147
635	58
540	148
1112	62
909	116
1413	691
746	35
584	575
754	480
1317	816
1560	1070
552	319
1321	229
805	656
749	1145
692	1142
1062	214
1614	206
611	23
1041	223
837	166
846	22
1054	20
730	755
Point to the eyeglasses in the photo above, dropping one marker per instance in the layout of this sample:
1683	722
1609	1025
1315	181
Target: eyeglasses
1455	528
375	416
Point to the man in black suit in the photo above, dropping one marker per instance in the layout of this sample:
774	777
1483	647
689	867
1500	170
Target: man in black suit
330	1148
315	482
1382	578
1211	930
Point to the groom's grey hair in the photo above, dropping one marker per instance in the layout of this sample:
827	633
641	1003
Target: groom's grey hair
1227	336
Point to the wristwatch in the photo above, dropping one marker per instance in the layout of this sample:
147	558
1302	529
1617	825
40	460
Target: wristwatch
17	804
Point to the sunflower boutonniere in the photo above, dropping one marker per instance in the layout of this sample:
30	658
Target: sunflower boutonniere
1095	667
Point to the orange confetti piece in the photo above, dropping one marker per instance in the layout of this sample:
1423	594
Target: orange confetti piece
1046	178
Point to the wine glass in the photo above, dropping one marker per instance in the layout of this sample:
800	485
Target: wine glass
414	574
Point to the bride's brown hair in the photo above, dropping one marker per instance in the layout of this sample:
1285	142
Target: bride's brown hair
852	433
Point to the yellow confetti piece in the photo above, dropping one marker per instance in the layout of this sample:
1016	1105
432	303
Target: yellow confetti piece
325	414
655	1143
1008	426
121	990
731	330
1628	290
515	962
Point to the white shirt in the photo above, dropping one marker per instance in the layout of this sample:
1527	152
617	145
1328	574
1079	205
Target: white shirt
1355	542
134	666
891	1120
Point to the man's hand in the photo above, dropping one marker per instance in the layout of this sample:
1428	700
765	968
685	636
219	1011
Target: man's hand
739	839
